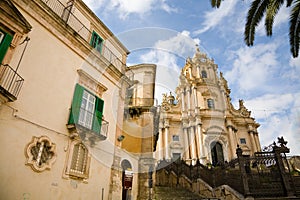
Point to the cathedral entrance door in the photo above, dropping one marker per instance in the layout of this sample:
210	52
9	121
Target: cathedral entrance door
217	153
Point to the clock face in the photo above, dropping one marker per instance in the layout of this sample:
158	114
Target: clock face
202	59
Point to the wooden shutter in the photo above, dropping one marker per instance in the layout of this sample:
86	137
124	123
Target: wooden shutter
76	103
98	115
5	45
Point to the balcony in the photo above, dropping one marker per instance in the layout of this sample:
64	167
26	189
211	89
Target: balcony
139	102
65	13
87	125
10	83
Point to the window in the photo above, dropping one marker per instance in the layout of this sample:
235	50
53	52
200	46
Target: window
210	103
86	110
243	141
176	156
175	137
40	153
96	41
78	161
204	74
5	40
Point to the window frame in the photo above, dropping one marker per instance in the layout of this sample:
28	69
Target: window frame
73	158
243	141
175	138
96	42
5	44
39	163
76	110
210	103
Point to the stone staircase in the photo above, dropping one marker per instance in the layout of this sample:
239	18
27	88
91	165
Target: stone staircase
171	193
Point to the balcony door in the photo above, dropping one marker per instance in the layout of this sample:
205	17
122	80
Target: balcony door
87	110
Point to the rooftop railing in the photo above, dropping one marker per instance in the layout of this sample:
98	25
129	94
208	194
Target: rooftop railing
65	13
10	82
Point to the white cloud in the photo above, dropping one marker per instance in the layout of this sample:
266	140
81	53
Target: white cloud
123	8
166	54
94	4
215	17
252	66
279	115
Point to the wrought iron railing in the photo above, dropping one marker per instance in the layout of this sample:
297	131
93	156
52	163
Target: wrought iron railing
10	81
263	175
86	120
65	13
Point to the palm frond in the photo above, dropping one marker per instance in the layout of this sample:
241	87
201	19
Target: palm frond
272	10
294	33
289	3
215	3
254	16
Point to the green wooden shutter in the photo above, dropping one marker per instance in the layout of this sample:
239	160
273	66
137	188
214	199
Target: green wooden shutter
76	103
97	122
5	45
96	41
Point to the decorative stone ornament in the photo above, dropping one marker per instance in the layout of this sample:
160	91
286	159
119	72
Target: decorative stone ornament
40	153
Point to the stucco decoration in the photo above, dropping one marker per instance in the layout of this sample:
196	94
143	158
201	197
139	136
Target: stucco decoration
40	153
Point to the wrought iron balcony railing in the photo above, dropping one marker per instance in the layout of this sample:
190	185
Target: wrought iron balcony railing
10	82
88	124
65	13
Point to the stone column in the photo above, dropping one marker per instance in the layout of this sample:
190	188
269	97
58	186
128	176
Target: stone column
198	71
182	100
190	72
160	144
257	141
188	90
167	154
253	143
193	145
186	144
195	99
200	142
233	142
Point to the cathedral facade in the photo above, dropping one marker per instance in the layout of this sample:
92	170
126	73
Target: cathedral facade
200	123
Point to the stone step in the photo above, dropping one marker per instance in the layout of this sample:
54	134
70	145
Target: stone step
174	193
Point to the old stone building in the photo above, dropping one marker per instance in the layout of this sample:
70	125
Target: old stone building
200	123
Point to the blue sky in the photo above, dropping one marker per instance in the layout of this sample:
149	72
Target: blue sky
165	32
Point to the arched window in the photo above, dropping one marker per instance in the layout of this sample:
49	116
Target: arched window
204	74
217	153
210	103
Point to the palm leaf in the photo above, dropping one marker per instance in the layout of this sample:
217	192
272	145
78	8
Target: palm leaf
215	3
295	29
255	14
289	3
271	12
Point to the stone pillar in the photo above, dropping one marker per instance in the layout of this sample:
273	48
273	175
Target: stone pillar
189	100
193	145
241	160
253	143
200	143
182	101
190	72
198	71
232	142
167	153
160	144
195	99
257	141
186	144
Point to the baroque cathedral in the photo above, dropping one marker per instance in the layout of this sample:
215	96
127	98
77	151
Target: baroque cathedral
200	123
